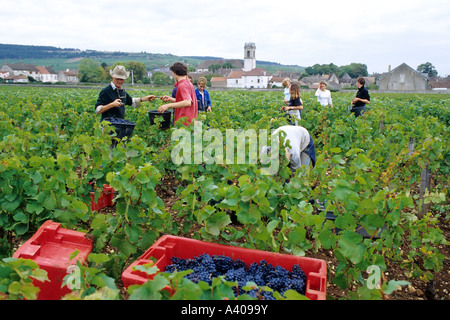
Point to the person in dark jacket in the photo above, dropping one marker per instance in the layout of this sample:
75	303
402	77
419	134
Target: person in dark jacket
113	98
362	98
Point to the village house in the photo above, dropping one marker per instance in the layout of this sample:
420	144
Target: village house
47	74
20	69
347	81
4	74
20	73
218	82
17	79
256	78
68	76
439	83
287	74
403	78
333	81
313	81
276	82
235	80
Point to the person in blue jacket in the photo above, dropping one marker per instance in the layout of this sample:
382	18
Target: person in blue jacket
203	99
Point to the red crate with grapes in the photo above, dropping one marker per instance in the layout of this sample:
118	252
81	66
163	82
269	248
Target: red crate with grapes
172	249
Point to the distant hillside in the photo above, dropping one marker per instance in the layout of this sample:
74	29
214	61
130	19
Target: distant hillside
14	51
63	58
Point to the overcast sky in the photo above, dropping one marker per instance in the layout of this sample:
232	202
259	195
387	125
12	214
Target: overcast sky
377	33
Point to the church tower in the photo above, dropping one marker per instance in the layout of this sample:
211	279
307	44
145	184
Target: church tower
249	56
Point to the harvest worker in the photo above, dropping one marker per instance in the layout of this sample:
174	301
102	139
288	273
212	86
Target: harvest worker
324	95
203	99
113	98
362	98
301	151
185	101
295	104
286	84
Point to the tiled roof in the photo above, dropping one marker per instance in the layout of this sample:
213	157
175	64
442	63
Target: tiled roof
277	79
18	77
23	66
42	70
235	75
257	72
218	79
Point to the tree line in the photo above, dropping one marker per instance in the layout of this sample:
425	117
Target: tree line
92	71
356	70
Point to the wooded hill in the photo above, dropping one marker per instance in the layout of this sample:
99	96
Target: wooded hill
63	58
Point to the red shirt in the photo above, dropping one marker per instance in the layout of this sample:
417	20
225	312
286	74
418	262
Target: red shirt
186	91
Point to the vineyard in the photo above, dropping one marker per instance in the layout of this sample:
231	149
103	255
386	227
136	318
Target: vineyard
377	196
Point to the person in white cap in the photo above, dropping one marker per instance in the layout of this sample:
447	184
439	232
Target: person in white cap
113	98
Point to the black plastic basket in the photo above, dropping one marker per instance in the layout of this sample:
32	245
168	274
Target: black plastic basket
165	123
124	128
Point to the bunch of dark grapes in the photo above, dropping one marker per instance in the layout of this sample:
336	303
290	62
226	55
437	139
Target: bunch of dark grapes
114	120
206	267
223	263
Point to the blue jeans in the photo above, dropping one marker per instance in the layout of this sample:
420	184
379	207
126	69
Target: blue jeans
358	111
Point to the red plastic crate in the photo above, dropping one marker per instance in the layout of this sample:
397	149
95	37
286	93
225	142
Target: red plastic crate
105	200
50	247
171	246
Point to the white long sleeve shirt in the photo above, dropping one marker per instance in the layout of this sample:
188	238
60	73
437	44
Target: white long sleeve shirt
324	97
298	139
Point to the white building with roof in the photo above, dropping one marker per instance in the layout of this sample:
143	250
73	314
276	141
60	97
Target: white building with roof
256	78
46	74
234	79
403	78
21	69
249	77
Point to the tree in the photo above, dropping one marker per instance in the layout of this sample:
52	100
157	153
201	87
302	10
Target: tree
322	69
334	68
160	79
427	68
227	65
214	67
354	70
309	70
90	71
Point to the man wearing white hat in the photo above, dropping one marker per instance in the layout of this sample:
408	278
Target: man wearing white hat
112	99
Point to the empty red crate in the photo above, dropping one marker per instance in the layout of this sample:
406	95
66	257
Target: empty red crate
171	246
50	247
105	200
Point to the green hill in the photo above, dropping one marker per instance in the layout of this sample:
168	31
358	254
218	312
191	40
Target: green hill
69	58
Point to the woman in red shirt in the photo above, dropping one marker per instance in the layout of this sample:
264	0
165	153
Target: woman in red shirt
185	101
